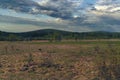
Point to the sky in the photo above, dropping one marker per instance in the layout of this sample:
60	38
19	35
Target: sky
69	15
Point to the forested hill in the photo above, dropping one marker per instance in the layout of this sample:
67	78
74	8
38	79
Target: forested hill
48	34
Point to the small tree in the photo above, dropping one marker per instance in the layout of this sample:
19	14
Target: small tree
57	36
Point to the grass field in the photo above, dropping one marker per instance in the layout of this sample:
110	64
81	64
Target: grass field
67	60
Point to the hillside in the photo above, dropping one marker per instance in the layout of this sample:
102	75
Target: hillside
47	34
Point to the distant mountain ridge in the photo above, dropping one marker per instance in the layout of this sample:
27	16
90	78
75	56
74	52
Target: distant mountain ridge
53	33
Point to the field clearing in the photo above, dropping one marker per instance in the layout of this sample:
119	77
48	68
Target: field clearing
100	41
67	60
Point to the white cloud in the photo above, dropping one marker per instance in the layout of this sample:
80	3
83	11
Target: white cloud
108	5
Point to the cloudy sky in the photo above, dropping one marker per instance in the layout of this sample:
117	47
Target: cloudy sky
70	15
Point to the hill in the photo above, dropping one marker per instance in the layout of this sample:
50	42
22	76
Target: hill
48	34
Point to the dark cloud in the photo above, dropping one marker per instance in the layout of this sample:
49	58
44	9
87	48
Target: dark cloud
55	8
105	23
110	20
17	5
60	8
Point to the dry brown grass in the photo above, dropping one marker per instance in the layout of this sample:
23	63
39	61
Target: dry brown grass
28	61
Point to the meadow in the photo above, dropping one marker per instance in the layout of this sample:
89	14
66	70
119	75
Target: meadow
67	60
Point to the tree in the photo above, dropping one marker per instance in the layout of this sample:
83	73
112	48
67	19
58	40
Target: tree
12	37
57	36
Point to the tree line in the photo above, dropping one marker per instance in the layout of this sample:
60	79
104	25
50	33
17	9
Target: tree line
56	35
